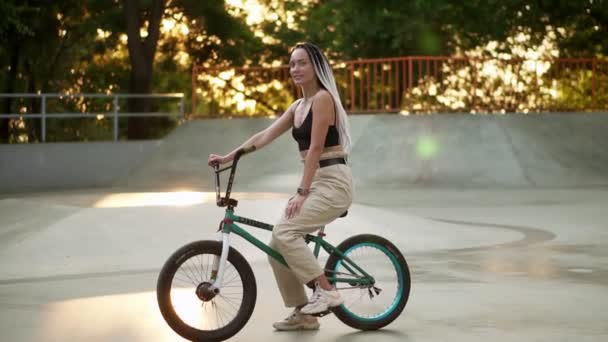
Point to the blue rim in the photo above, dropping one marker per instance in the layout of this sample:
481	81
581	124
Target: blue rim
399	273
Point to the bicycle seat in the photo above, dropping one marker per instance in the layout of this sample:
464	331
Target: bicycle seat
344	214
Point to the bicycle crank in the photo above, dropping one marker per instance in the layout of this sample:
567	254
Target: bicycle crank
323	313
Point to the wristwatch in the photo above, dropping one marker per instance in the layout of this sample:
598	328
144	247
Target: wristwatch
303	192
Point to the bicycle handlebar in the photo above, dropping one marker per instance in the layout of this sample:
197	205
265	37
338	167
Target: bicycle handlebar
226	201
243	151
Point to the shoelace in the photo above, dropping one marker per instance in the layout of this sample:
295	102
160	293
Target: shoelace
293	315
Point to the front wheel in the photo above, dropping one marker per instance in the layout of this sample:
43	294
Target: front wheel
188	303
372	302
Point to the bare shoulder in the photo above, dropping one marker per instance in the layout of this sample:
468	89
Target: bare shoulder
323	102
293	106
295	103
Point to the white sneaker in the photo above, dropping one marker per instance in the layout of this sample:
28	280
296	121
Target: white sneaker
322	300
297	321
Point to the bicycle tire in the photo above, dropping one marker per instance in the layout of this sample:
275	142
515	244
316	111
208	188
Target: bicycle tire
168	275
346	312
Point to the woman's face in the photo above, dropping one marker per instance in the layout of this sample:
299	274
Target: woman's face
301	68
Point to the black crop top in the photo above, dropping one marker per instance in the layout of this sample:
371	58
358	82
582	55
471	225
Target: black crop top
302	134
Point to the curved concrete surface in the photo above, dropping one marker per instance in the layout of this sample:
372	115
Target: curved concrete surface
506	240
391	151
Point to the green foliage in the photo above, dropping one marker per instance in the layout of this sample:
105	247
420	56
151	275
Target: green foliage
579	90
12	13
79	46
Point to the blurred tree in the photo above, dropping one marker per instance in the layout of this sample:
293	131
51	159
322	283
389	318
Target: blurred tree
20	55
11	27
583	25
74	46
142	48
42	44
367	29
211	34
151	45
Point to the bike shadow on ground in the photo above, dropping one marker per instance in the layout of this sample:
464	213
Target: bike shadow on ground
377	335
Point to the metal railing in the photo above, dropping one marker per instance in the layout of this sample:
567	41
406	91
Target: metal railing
421	83
115	113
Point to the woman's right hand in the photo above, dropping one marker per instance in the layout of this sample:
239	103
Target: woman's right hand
215	159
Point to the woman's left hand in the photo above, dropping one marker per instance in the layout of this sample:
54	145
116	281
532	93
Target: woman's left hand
294	205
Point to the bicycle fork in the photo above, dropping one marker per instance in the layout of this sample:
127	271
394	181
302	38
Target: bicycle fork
219	264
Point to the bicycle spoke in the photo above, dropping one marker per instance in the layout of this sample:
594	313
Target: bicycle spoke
188	282
368	257
199	269
189	270
188	276
216	313
230	302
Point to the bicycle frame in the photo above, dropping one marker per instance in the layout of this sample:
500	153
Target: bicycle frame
228	226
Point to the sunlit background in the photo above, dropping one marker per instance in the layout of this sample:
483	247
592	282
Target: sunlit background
174	198
229	58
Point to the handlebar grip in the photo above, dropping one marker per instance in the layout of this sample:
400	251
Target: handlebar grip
249	149
243	151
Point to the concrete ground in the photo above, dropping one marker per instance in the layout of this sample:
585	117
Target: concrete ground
498	253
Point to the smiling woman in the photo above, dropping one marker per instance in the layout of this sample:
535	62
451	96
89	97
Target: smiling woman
319	124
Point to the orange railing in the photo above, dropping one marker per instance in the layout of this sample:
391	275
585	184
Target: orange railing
415	84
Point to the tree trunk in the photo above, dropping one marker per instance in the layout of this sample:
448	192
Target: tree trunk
33	126
141	56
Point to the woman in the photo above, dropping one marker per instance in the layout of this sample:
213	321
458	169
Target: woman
320	127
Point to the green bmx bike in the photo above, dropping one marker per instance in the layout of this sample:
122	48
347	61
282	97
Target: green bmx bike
207	290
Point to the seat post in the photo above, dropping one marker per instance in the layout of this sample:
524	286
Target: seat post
317	249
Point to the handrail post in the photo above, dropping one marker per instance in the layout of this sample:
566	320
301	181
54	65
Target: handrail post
352	86
43	118
181	107
410	79
194	79
115	113
594	85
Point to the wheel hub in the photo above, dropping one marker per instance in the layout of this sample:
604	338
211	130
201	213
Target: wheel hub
204	291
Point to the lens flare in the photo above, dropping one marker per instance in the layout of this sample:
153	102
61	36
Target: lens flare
427	147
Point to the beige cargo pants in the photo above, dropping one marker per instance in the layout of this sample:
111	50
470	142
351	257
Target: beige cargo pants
330	196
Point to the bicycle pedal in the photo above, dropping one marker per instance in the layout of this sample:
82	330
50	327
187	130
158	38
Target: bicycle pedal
321	314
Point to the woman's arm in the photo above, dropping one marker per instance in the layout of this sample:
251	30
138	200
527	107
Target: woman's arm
322	110
265	137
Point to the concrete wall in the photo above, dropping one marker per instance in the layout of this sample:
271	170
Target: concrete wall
54	166
548	150
516	150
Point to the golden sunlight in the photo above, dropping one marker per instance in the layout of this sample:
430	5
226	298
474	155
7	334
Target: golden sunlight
136	313
174	198
101	34
167	25
147	199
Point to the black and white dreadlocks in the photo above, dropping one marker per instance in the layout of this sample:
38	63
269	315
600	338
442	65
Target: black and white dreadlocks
326	78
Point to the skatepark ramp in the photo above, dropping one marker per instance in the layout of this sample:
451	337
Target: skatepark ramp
393	151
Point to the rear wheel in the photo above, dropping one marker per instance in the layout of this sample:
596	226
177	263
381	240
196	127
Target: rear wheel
188	303
369	306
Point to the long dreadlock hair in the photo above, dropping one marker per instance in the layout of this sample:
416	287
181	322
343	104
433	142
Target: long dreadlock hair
326	78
